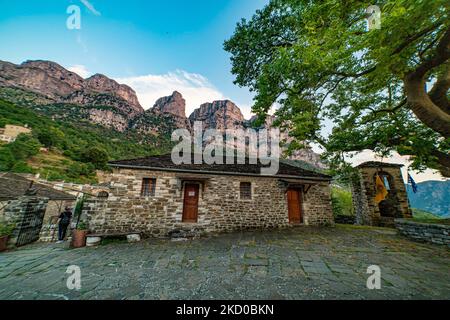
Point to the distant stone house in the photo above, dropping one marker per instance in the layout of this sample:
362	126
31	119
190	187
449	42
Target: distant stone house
10	132
155	197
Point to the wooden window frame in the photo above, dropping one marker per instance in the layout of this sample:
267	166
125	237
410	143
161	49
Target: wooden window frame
148	187
245	194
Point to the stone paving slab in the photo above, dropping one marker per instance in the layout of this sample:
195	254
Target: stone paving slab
298	263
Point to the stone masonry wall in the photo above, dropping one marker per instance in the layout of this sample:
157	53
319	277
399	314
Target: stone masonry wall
363	215
27	213
425	232
220	208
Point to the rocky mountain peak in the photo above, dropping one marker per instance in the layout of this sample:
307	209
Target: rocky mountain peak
173	104
52	81
221	115
101	83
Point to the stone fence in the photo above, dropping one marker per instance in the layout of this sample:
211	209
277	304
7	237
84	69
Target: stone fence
344	219
424	232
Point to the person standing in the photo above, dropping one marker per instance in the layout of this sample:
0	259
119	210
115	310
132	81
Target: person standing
64	221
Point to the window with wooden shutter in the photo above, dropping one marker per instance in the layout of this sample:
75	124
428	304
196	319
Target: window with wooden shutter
148	187
246	191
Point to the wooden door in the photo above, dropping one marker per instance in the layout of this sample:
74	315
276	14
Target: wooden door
190	207
294	206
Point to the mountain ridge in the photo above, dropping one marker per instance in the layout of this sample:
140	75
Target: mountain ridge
432	196
49	88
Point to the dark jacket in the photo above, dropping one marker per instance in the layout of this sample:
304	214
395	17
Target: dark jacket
65	217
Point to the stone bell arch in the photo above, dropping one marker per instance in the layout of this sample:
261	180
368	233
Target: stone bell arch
396	204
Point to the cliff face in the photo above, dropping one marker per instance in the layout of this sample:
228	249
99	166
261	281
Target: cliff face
49	88
220	115
60	85
103	84
305	154
173	106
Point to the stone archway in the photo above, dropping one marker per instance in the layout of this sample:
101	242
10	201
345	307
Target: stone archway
364	191
389	208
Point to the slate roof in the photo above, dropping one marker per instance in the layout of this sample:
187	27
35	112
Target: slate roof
165	163
379	164
13	186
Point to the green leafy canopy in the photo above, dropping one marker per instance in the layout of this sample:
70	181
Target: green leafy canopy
348	88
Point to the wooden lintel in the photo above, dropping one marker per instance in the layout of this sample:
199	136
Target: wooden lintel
306	188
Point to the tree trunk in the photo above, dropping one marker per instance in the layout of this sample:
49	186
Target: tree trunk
424	108
444	161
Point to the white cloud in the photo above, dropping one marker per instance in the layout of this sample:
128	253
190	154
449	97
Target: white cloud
81	70
246	110
195	88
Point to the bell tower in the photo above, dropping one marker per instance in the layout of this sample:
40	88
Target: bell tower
395	205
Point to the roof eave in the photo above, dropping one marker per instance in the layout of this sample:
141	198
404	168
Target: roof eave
125	166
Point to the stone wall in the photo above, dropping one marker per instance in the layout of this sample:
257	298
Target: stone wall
220	208
343	219
363	214
27	213
424	232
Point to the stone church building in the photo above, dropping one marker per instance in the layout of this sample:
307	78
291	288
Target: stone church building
155	197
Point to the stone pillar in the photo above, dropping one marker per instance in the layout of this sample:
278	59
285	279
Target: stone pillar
360	203
27	213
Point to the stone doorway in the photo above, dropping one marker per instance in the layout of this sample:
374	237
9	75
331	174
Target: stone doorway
190	207
294	199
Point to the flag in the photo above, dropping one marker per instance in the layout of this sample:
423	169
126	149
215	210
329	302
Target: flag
413	183
381	190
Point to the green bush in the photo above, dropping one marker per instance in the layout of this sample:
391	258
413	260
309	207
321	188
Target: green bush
13	155
50	137
341	200
82	225
24	147
95	155
22	167
6	229
6	159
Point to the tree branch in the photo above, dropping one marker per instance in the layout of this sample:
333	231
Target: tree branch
391	110
416	36
418	99
438	94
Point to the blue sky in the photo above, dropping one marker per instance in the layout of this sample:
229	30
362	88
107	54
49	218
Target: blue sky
150	45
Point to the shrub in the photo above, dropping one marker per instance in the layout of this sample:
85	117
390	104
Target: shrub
24	146
341	201
50	137
82	225
95	155
6	229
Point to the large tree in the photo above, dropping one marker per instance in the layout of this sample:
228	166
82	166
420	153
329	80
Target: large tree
382	89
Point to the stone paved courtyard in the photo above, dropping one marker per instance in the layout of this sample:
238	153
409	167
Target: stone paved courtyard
300	263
